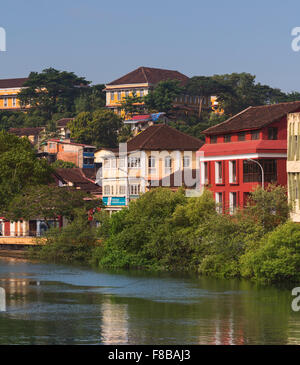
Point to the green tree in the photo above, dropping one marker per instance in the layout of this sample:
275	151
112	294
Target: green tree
132	104
19	167
99	128
90	99
269	206
49	202
51	91
276	257
161	98
203	87
60	164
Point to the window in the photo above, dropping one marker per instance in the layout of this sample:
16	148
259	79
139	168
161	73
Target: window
14	101
213	139
227	138
119	95
242	136
106	190
272	133
252	172
112	96
134	162
186	161
232	172
121	162
232	202
204	172
141	93
168	164
5	102
219	202
122	190
218	172
254	135
134	189
126	93
151	165
113	163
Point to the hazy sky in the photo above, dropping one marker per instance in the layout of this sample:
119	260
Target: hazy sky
103	40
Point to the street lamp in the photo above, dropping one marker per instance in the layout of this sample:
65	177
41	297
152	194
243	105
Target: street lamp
262	171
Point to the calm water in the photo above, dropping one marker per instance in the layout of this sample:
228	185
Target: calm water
55	304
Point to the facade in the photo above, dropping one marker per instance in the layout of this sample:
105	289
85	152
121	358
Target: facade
146	161
141	81
32	133
241	151
9	90
293	164
62	128
81	155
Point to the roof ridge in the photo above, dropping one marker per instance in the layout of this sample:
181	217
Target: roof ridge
227	120
143	71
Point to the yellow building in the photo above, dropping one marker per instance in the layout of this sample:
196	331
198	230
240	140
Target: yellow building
144	79
293	164
9	90
158	156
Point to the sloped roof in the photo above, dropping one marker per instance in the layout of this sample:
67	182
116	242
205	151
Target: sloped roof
150	75
78	179
161	137
34	131
11	83
63	122
254	117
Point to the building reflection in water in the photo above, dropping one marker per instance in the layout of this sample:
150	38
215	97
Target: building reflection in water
114	325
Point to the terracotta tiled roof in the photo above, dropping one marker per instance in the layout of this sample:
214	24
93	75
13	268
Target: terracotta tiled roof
161	137
254	117
76	177
11	83
150	75
63	122
26	131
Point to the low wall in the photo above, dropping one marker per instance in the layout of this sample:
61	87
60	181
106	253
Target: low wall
18	241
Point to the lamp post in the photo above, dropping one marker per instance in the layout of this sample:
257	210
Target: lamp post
262	171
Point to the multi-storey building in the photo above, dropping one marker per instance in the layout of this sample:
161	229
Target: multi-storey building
293	164
147	160
9	90
144	79
81	155
244	150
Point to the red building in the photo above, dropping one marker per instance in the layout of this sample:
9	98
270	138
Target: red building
226	159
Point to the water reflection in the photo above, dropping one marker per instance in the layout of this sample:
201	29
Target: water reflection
57	304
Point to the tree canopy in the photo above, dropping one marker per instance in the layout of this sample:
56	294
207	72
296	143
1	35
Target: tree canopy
19	167
52	91
99	128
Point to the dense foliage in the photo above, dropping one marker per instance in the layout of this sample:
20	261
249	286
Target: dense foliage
74	243
99	128
164	230
19	168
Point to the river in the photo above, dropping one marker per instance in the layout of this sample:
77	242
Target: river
61	304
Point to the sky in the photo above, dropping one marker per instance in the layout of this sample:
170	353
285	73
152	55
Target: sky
103	40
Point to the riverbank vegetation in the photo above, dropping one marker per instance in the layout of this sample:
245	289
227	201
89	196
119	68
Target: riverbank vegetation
166	231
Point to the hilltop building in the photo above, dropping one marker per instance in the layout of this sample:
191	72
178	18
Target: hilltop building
9	90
